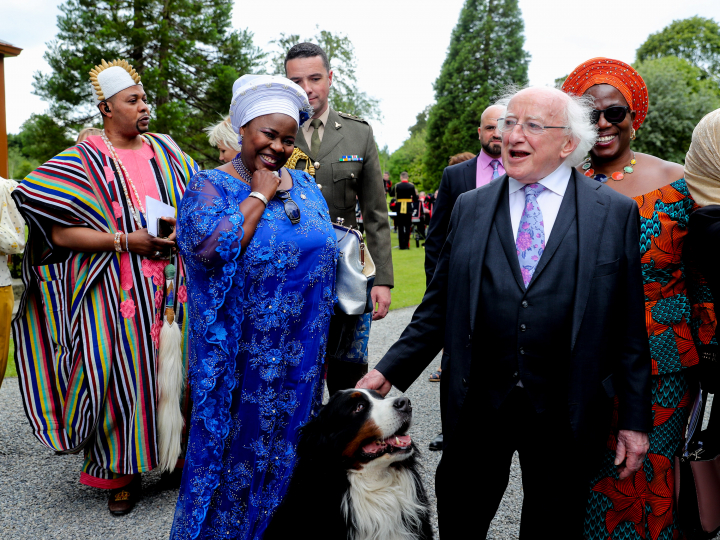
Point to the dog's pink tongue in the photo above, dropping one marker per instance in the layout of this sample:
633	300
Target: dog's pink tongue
374	447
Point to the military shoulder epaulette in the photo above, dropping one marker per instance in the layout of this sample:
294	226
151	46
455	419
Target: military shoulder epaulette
353	117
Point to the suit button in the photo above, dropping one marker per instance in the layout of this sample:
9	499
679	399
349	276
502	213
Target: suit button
523	327
352	175
464	381
524	303
515	375
316	164
522	351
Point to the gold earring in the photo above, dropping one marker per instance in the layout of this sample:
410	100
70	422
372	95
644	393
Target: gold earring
632	135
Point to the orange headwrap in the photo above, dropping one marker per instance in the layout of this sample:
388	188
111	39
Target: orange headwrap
615	73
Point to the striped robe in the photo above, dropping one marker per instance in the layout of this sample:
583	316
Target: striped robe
87	373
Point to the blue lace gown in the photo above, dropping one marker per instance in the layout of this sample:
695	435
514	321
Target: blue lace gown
259	322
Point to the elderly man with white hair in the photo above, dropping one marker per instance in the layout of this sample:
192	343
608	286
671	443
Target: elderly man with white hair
537	300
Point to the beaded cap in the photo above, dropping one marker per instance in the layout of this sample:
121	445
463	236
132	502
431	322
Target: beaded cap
618	75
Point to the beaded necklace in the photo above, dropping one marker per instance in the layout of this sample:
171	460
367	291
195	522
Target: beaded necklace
617	175
243	171
125	176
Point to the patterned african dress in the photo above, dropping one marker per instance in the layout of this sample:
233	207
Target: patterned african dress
257	347
680	316
87	327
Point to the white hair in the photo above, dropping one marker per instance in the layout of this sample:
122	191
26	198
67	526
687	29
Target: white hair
222	132
578	113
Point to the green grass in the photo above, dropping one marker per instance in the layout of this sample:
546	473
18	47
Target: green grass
10	371
409	267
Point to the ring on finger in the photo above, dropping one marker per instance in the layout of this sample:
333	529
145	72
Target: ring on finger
157	254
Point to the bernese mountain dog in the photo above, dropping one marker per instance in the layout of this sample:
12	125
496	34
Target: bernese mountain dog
357	476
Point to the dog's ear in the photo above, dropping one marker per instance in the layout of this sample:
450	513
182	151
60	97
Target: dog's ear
313	438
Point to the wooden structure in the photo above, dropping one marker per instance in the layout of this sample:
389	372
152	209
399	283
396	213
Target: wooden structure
6	51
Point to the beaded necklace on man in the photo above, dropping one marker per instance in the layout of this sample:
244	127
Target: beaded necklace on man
600	177
125	177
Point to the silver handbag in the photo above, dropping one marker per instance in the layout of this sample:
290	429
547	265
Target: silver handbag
355	271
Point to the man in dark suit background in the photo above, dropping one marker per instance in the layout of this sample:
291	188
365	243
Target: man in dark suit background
457	179
537	299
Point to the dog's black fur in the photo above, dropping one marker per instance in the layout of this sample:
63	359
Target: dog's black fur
330	445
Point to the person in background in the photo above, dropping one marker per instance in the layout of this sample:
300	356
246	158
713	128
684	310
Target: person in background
679	311
464	176
347	168
12	242
222	136
407	196
261	256
463	173
537	299
386	181
94	283
88	132
702	174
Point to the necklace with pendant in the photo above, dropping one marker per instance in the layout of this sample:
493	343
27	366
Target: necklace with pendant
600	177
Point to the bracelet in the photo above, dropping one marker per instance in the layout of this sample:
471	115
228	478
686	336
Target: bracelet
127	247
118	245
259	196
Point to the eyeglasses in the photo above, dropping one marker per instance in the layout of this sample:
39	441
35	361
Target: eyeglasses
506	125
292	210
614	114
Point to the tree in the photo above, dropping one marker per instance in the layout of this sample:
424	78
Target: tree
679	97
410	156
184	50
344	93
485	55
695	39
41	138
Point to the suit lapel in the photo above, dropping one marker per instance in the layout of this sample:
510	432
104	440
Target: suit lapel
470	174
592	211
486	205
503	228
331	136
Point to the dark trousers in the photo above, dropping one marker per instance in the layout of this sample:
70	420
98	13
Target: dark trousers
475	466
342	375
404	226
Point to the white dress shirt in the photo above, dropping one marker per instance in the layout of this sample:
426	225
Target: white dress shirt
549	200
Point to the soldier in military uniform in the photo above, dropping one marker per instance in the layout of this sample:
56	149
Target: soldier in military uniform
341	150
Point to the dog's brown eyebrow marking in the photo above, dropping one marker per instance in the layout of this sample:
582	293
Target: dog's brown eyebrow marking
356	394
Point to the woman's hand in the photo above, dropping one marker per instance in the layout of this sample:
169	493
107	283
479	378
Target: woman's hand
142	243
265	182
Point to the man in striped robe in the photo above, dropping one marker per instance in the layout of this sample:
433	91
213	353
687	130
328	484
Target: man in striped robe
86	334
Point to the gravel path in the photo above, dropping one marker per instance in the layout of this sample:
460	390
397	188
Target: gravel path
40	497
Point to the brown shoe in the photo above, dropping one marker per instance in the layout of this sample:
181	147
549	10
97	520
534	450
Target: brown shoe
122	500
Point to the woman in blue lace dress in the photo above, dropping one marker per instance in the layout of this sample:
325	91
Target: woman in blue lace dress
261	254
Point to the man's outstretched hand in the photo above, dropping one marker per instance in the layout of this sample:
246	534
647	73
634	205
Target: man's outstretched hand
631	448
375	380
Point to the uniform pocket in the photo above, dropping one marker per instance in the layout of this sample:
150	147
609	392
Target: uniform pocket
345	175
605	269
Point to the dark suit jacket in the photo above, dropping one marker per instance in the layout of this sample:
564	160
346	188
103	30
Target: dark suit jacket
609	351
456	180
342	182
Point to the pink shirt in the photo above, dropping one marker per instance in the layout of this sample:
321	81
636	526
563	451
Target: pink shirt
485	170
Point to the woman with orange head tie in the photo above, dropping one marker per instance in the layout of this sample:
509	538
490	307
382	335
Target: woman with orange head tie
680	315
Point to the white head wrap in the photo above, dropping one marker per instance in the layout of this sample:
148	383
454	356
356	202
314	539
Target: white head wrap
107	79
257	95
702	162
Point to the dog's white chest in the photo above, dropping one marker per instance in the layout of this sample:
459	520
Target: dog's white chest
378	500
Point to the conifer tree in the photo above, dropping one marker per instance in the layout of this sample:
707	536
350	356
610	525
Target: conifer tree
485	55
185	51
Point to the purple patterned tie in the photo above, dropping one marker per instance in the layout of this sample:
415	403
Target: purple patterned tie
530	241
496	172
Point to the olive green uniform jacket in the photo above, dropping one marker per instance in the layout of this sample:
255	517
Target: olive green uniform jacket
342	181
